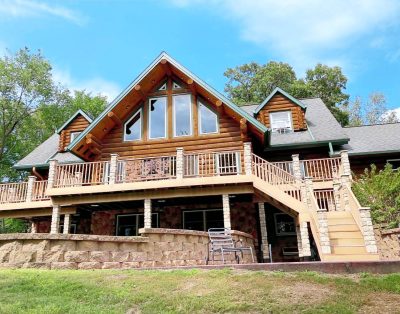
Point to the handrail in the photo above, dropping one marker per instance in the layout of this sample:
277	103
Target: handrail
325	199
78	174
13	192
39	191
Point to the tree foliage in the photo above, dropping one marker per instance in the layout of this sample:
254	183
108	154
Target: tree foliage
10	225
380	190
252	83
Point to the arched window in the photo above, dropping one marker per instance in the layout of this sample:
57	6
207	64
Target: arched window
133	127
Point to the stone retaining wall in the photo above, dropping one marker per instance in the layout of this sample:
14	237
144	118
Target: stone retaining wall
388	243
155	248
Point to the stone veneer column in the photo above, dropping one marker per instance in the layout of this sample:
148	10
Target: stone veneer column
368	230
323	231
344	156
33	227
179	163
247	158
113	169
296	167
55	219
299	243
336	194
67	223
227	211
345	180
147	213
29	190
307	191
305	240
264	232
52	173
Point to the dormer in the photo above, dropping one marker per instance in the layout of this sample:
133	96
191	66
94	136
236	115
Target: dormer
71	129
281	112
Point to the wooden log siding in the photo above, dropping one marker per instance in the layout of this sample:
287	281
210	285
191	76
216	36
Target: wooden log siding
281	103
77	125
227	139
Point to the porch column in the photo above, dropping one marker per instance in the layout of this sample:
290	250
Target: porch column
67	223
299	243
368	230
263	229
179	163
247	158
52	173
33	227
227	211
344	156
147	213
113	168
29	191
296	167
336	194
323	231
345	181
55	219
305	240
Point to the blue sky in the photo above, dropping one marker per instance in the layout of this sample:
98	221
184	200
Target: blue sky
102	45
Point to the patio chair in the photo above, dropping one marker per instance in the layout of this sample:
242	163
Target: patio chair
221	241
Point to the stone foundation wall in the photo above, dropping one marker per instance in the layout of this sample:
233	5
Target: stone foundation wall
155	248
388	243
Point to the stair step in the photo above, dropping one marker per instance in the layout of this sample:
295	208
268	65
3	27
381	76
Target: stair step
353	257
347	241
335	221
341	228
337	215
345	235
348	250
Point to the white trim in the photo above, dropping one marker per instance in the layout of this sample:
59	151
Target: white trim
139	111
74	135
136	223
190	115
289	113
165	117
199	104
204	216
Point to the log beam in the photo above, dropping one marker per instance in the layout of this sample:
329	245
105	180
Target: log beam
115	118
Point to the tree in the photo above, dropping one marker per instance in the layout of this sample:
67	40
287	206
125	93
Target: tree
380	190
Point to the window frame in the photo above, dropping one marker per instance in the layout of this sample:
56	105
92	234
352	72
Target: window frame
165	118
137	221
290	114
202	103
283	234
204	216
190	115
139	111
74	135
389	161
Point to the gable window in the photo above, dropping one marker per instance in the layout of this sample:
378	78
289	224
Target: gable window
74	135
157	117
281	121
203	220
182	108
208	120
133	127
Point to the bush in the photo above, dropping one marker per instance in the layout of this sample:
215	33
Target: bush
9	225
380	190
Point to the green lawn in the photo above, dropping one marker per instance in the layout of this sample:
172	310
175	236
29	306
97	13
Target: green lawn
195	291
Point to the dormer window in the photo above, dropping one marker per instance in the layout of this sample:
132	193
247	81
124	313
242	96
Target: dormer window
74	135
281	121
133	127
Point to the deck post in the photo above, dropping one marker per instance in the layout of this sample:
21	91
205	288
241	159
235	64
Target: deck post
67	223
33	227
323	231
344	156
53	163
368	230
305	240
147	213
179	163
55	219
264	231
247	158
29	191
227	211
296	167
336	194
345	180
113	168
299	243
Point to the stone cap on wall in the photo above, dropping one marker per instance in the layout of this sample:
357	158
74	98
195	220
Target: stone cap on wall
187	232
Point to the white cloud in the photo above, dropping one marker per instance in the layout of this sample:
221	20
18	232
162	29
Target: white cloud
308	30
27	8
94	85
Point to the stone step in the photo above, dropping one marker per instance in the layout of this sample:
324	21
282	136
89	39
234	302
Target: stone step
352	257
348	250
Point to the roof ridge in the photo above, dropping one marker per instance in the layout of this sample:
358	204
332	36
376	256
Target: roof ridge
365	125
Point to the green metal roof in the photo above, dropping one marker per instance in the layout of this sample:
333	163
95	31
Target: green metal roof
184	70
273	93
79	112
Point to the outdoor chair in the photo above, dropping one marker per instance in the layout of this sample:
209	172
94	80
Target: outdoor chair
221	241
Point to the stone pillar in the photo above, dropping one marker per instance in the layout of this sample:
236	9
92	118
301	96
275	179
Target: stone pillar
179	163
247	158
345	181
147	213
344	156
296	167
29	190
307	191
305	240
336	195
33	227
227	211
52	173
67	223
323	231
299	243
263	229
113	169
55	219
368	230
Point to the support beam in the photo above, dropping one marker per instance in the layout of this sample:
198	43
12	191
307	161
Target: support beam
55	219
147	213
67	223
226	210
166	67
264	235
218	103
93	139
115	118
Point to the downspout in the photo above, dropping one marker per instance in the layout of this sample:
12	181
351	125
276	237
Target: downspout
37	174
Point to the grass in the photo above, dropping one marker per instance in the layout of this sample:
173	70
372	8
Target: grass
195	291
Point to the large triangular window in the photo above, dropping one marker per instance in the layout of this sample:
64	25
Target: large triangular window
133	127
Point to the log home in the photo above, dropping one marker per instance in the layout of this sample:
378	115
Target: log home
171	157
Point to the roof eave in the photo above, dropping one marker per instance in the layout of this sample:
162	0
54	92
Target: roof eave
305	144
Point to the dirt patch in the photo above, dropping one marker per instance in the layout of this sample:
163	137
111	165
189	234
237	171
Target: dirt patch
381	302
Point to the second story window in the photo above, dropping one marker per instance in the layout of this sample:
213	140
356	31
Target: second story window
157	117
208	120
133	127
281	121
74	135
182	110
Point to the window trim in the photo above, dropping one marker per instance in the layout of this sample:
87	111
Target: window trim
280	111
199	104
73	136
190	115
140	110
165	118
199	210
137	221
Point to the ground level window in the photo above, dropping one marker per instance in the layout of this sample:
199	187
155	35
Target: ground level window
129	224
203	220
72	228
284	225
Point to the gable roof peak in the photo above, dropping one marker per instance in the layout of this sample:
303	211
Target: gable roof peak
78	112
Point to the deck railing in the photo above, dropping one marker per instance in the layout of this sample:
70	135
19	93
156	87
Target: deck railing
325	199
13	192
39	191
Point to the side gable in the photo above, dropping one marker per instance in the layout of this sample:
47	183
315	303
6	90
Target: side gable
78	122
